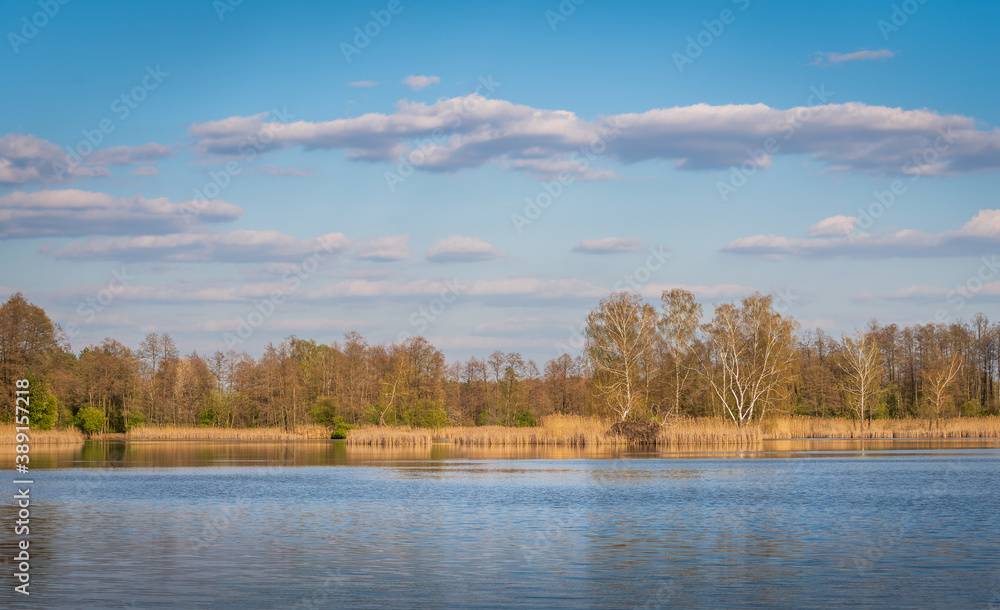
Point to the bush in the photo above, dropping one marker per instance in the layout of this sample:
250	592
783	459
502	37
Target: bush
971	408
525	419
340	432
134	419
90	420
324	412
206	418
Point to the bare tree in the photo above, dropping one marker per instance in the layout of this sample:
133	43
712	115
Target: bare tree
678	326
750	358
620	336
862	364
937	378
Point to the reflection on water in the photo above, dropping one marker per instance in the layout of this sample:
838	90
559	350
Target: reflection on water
286	524
169	454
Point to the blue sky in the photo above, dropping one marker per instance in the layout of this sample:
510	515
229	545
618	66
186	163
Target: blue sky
256	170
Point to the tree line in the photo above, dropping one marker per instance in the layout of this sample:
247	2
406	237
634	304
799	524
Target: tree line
640	362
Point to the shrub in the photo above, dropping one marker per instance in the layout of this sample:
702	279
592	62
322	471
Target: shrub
340	432
134	420
324	412
525	419
206	418
90	420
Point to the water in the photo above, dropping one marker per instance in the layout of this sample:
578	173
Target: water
790	524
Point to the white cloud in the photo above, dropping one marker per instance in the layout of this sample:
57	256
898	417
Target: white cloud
416	82
72	212
460	249
240	246
276	170
383	249
608	245
831	58
362	84
145	170
513	325
834	225
130	155
712	293
979	233
335	325
25	159
471	131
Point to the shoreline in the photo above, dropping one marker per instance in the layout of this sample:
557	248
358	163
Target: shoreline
570	431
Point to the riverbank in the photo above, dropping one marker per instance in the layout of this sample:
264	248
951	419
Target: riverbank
566	430
189	433
71	436
584	431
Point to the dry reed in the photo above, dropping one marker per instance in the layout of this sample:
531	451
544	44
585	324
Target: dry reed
190	433
44	437
588	431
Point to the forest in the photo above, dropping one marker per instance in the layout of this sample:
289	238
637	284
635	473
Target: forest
640	363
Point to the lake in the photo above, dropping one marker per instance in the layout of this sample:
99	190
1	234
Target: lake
315	524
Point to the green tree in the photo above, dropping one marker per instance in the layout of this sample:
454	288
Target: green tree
90	420
44	406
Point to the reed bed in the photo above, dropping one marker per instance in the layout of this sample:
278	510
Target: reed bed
390	436
579	431
785	427
44	437
191	433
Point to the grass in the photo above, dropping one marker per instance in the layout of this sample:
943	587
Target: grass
44	437
588	431
191	433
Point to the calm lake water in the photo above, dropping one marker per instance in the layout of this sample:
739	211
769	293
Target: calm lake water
786	524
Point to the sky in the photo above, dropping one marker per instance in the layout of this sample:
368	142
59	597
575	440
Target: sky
483	174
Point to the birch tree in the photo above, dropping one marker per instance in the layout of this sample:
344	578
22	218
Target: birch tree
937	378
750	358
620	337
678	325
862	364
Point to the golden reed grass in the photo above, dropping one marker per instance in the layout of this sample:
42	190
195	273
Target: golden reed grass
191	433
44	437
588	431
